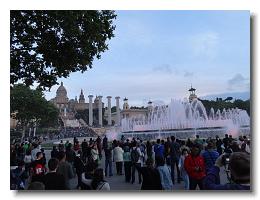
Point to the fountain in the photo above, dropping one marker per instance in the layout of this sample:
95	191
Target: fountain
185	119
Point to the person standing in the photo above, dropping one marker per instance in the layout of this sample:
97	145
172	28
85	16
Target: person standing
54	152
195	166
108	160
98	182
165	174
136	155
84	148
127	164
118	158
219	144
183	172
151	176
174	159
65	169
38	168
210	156
52	180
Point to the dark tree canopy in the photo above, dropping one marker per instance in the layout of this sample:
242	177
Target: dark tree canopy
30	105
46	45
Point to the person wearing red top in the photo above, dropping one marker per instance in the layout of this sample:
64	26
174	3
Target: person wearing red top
195	166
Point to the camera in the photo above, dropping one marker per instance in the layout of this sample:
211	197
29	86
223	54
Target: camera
225	159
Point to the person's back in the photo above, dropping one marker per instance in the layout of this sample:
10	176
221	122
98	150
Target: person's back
151	176
165	176
54	181
210	156
38	168
65	169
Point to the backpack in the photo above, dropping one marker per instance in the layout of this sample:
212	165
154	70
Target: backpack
135	155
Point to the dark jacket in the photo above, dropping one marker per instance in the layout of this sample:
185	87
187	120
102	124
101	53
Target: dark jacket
212	182
54	181
151	179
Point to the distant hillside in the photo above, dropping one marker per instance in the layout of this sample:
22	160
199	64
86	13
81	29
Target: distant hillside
236	95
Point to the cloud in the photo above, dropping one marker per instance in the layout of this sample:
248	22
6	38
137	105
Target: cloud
205	44
188	74
238	82
163	68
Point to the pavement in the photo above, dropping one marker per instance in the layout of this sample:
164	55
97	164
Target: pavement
117	182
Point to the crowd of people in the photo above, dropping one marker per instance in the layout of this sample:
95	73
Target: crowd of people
159	164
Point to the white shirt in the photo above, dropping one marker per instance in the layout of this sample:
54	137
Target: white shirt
118	154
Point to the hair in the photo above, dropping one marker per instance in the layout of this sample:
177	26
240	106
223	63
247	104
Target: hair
183	150
158	141
38	154
239	164
61	155
172	138
149	162
36	186
159	161
53	164
194	149
97	178
91	166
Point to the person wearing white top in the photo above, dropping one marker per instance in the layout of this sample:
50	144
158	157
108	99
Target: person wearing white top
118	158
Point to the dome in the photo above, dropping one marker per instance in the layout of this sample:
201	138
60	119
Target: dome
61	91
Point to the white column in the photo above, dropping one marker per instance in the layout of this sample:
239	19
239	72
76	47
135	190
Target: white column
90	110
100	111
117	111
109	110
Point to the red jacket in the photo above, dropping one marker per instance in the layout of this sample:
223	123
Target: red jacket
191	165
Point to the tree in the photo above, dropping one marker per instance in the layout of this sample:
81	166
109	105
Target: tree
30	107
46	45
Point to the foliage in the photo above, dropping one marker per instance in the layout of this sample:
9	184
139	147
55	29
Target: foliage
48	44
219	104
30	106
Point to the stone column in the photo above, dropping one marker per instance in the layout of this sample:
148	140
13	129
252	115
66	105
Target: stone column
90	110
117	111
100	111
109	110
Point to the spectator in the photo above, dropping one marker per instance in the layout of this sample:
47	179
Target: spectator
52	180
88	175
108	160
118	158
219	145
183	172
210	156
127	163
79	166
54	152
98	182
38	168
136	155
158	149
165	174
195	167
19	176
239	164
65	169
174	157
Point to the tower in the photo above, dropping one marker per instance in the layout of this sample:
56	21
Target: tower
81	97
150	106
192	94
125	105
